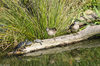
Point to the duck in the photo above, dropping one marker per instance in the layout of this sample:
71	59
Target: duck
75	27
51	31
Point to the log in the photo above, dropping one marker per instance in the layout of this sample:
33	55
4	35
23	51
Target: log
90	43
65	39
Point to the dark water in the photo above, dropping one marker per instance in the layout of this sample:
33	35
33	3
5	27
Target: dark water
79	53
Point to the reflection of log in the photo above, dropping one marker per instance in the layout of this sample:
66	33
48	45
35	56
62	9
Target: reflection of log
66	39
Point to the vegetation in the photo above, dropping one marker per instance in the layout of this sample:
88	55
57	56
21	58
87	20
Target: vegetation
26	19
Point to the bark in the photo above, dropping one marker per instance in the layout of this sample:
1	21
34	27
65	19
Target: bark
65	39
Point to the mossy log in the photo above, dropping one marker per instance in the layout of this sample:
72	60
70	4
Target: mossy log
65	39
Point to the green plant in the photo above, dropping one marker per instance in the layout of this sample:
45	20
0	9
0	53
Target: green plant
27	19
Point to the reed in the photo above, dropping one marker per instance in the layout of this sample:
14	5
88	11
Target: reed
28	19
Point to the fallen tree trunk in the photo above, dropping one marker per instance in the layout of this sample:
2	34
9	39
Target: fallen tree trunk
65	39
93	42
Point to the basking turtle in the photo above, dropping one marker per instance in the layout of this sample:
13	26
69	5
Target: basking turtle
28	43
22	45
38	41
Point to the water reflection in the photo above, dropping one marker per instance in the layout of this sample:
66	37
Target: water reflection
68	55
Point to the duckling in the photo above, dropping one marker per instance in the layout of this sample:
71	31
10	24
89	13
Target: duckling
51	31
88	12
90	15
75	27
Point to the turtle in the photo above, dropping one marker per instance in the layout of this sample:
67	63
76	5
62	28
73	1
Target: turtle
38	41
22	45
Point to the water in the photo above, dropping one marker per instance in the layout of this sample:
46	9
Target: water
81	53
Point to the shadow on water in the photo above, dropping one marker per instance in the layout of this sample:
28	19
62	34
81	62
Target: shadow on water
80	53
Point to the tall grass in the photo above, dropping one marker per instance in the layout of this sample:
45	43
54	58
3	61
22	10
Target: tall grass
28	19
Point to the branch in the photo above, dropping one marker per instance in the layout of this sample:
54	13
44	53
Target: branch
84	44
65	39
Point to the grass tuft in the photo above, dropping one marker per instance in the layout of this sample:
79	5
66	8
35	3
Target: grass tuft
28	19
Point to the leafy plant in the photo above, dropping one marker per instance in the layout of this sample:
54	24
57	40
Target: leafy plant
29	19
